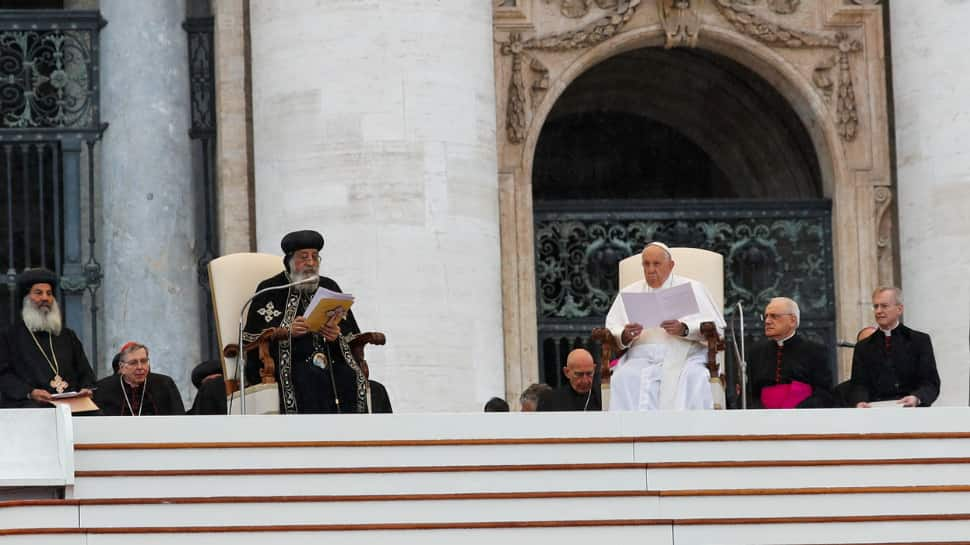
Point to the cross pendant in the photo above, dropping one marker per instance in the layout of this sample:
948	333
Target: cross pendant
58	384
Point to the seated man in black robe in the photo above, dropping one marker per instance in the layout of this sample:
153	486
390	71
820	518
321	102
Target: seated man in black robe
135	390
211	385
895	362
786	358
578	394
315	370
38	356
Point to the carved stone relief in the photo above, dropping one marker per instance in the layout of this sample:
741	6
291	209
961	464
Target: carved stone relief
682	24
883	197
588	35
784	7
575	9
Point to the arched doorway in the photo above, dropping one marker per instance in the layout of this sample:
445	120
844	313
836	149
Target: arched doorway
826	64
687	147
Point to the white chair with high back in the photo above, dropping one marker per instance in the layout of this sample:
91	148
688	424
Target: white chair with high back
700	265
233	279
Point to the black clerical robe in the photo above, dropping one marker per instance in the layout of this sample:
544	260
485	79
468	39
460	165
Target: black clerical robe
380	402
565	398
115	397
304	366
907	367
801	359
24	368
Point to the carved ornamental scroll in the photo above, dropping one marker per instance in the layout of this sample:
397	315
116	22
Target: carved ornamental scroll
682	25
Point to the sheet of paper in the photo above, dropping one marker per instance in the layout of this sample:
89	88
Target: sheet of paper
322	294
888	404
323	306
651	308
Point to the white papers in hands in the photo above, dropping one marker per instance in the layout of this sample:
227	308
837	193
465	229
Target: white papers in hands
66	395
888	404
649	309
323	306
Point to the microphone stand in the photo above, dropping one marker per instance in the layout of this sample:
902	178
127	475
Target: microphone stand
241	357
742	365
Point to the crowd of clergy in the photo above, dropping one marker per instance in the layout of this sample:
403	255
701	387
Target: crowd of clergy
318	371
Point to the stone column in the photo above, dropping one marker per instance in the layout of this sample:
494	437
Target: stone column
374	122
150	288
931	83
233	183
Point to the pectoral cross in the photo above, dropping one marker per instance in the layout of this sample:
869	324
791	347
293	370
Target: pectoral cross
58	384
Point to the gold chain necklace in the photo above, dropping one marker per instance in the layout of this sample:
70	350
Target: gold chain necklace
57	382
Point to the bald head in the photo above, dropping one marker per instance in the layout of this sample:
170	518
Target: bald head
657	265
579	370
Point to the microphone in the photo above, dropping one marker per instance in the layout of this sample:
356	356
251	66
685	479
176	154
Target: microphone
845	344
241	357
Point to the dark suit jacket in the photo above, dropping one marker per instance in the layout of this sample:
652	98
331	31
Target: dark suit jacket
802	360
908	369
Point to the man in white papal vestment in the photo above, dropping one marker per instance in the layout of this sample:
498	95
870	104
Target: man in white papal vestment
663	367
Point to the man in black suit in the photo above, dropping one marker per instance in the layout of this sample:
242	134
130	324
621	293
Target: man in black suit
786	357
895	362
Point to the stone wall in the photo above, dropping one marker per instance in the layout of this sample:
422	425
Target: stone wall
931	83
374	124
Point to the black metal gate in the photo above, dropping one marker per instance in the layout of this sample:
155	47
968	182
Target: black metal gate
49	114
770	249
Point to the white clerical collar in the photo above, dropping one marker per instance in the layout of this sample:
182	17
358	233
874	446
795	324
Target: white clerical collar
782	342
889	332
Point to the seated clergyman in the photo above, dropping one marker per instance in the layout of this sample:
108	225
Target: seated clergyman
315	370
786	370
38	355
895	362
135	390
578	393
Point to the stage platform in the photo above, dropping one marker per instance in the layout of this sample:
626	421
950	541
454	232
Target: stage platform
683	478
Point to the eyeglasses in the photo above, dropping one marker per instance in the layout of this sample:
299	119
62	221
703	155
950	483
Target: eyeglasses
774	316
308	256
143	361
581	374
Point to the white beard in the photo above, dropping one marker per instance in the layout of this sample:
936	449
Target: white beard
37	319
307	273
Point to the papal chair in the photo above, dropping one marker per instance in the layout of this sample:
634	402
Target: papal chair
233	279
700	265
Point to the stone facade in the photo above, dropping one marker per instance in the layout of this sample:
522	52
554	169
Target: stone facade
148	231
824	57
930	86
374	124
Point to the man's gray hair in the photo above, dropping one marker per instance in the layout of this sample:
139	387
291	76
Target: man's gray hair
897	293
792	308
533	392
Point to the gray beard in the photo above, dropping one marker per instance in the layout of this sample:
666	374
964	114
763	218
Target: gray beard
308	287
40	320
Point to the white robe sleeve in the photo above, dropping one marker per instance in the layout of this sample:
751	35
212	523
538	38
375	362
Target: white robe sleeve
706	312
